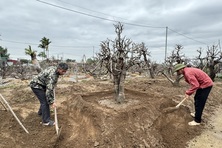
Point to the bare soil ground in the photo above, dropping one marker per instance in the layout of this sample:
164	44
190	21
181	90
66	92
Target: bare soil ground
89	116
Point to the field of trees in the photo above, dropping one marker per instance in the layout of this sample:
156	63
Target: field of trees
115	99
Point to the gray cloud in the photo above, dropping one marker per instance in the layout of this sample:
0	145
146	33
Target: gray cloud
79	27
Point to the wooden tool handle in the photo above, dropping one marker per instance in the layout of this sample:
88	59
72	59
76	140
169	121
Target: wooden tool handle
178	105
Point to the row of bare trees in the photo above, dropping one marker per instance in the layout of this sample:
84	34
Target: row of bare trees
210	63
119	55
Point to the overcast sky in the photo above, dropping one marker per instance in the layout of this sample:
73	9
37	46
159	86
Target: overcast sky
76	28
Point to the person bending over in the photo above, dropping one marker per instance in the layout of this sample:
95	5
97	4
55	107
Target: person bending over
43	86
200	83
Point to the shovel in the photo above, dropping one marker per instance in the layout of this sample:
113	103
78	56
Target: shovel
171	109
58	130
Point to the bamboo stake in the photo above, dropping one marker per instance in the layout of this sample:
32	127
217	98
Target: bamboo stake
14	114
56	119
3	104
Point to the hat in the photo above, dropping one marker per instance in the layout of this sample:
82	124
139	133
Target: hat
178	67
63	66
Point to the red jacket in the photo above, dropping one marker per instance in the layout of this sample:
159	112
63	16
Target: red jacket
197	79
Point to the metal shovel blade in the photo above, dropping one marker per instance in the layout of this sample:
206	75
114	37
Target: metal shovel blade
58	137
171	109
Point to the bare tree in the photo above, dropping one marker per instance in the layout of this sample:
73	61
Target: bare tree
145	53
117	57
176	57
200	61
214	55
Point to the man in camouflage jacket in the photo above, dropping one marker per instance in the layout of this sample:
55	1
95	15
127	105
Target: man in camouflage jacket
43	85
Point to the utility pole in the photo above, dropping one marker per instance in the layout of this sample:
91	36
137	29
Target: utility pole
166	44
93	52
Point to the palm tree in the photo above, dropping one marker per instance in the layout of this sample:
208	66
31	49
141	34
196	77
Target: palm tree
32	53
4	52
42	54
35	62
45	45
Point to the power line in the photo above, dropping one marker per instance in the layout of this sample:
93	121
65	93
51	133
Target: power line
83	13
139	25
60	46
19	42
90	9
187	36
60	7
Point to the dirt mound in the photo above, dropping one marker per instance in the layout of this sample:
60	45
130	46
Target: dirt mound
90	117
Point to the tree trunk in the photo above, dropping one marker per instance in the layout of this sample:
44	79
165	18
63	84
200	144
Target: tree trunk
151	72
177	81
212	74
174	82
36	64
4	70
119	75
119	88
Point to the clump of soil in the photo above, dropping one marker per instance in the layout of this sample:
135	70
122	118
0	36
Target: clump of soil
90	117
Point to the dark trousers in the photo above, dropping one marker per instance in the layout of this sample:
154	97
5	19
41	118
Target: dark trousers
200	99
44	109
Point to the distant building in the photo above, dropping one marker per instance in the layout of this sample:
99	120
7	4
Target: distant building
11	62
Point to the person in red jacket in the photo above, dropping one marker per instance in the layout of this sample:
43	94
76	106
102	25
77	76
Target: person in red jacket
200	83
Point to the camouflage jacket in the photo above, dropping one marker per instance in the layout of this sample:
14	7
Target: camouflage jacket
46	80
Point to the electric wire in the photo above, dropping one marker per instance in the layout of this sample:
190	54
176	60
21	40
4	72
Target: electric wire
90	10
90	15
187	36
26	43
127	23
